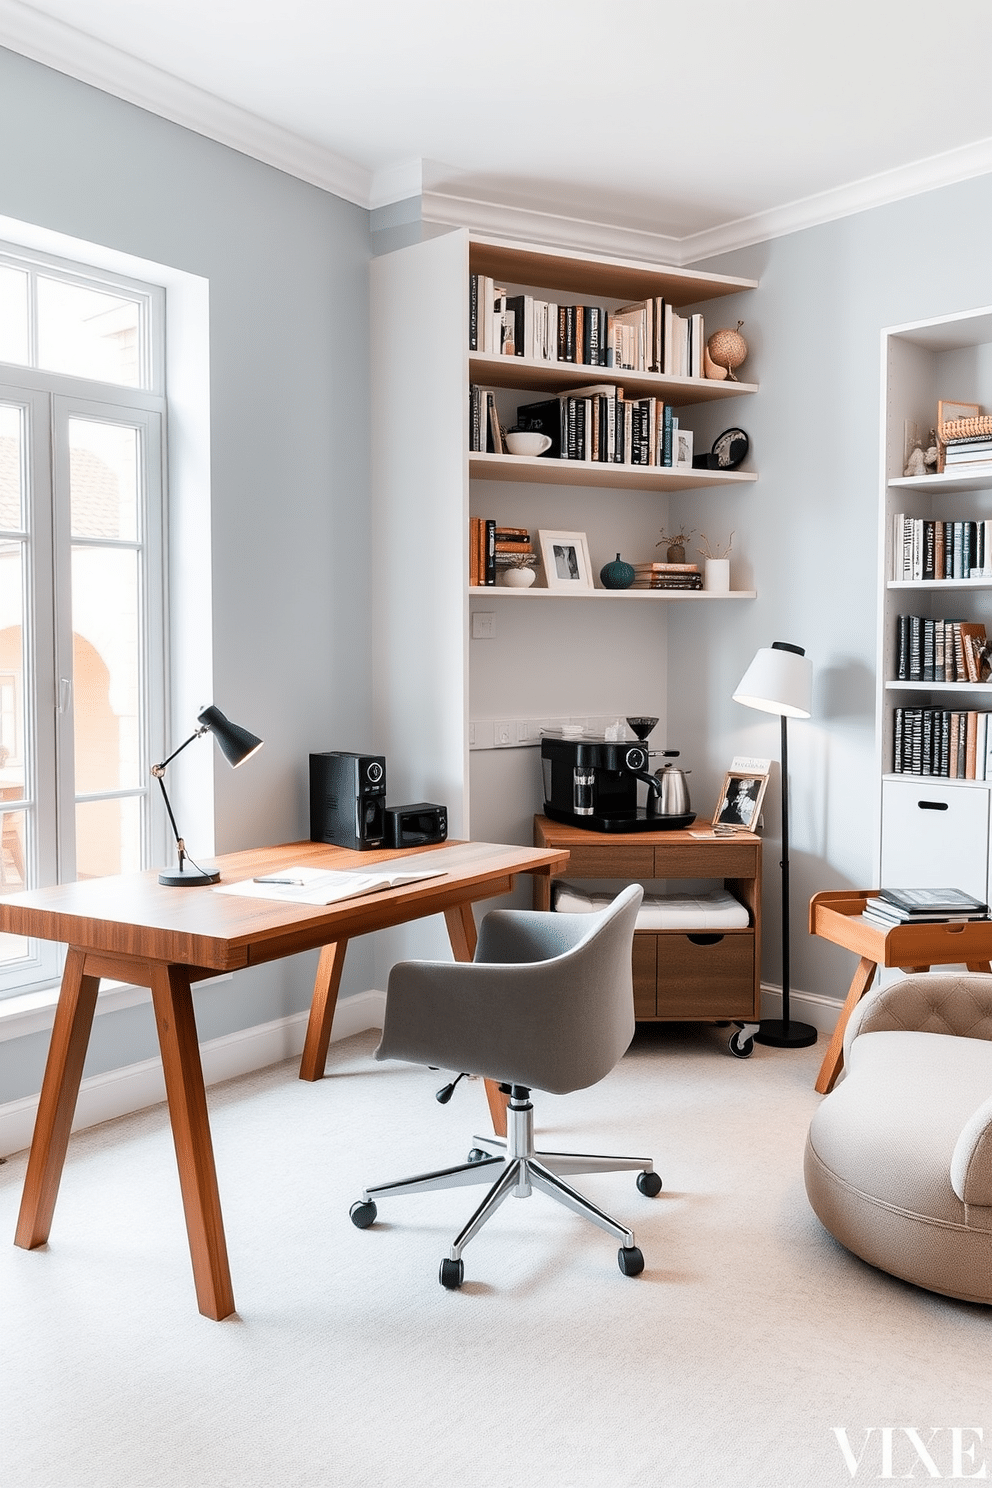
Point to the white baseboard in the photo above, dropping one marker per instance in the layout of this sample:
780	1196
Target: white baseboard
121	1091
804	1007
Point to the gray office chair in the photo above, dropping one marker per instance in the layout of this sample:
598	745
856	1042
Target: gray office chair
547	1003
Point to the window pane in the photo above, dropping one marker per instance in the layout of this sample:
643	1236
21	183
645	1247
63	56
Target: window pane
88	332
106	667
11	672
11	467
103	480
108	837
13	874
13	315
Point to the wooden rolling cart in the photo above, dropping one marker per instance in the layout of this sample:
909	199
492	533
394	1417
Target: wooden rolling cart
683	976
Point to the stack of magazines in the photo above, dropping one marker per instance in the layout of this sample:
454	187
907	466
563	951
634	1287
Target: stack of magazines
923	907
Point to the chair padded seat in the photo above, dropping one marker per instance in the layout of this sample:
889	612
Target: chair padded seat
879	1159
714	910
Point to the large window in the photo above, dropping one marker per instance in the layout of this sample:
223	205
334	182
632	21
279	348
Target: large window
82	664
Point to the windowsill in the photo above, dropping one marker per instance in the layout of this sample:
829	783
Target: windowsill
34	1012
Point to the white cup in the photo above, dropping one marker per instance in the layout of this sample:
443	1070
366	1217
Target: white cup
528	442
716	575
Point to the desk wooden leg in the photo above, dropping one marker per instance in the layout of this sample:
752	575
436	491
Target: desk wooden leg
59	1090
173	1003
464	936
834	1057
325	1000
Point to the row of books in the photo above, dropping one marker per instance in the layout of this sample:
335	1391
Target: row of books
891	907
492	546
941	650
667	576
648	336
953	743
925	549
595	425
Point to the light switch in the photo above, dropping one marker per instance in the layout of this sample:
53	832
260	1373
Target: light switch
483	625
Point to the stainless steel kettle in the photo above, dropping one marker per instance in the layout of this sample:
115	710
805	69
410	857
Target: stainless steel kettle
672	795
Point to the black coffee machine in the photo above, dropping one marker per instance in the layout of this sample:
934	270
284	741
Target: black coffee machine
592	781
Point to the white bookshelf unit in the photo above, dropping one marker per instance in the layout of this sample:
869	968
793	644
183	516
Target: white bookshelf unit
934	829
596	652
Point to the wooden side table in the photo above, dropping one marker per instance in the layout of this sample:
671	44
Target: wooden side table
837	916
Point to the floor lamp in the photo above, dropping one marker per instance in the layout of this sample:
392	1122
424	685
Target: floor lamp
779	680
237	745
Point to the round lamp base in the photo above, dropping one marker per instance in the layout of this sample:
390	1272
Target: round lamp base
782	1035
187	880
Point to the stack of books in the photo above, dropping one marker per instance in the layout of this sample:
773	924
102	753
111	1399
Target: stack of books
922	907
492	547
972	456
667	576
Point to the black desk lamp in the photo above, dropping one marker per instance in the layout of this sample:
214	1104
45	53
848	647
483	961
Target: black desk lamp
237	745
779	680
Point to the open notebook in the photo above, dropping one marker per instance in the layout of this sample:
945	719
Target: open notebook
299	885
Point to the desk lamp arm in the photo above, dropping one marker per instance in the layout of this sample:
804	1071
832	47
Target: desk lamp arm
159	773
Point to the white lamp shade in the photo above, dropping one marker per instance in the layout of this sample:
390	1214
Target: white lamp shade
777	681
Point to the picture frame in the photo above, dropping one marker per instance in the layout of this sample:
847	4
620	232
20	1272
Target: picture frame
947	409
739	802
565	556
682	450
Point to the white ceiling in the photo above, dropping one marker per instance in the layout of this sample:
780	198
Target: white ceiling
685	121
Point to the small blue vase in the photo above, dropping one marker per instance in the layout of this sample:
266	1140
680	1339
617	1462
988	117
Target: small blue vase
616	575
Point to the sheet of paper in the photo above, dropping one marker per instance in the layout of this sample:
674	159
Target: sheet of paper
301	885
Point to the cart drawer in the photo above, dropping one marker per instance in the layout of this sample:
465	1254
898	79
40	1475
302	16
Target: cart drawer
645	966
705	975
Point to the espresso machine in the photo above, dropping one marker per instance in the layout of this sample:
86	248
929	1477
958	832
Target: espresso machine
592	781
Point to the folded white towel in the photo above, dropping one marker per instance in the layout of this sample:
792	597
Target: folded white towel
715	910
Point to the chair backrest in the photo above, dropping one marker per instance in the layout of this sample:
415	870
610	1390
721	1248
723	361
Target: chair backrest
547	1003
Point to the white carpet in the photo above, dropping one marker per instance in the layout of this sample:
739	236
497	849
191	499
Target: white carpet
726	1364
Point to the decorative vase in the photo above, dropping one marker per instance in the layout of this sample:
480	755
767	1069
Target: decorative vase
716	575
616	575
517	578
675	553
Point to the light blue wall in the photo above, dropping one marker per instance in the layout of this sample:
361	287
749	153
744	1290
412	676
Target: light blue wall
287	266
806	532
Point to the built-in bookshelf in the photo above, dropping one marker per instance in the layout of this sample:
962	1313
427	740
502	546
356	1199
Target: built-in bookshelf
934	694
428	482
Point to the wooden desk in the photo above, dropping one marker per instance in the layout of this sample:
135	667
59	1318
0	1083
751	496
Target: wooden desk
134	929
836	916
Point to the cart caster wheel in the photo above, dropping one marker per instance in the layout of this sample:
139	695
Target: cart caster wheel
741	1047
649	1184
452	1274
478	1155
630	1260
363	1214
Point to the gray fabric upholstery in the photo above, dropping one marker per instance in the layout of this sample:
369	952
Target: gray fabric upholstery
898	1163
548	1001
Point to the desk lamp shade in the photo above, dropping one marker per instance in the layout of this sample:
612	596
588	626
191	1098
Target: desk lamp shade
779	680
237	745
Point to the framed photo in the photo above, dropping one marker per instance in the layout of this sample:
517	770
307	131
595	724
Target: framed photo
948	409
565	556
682	452
740	800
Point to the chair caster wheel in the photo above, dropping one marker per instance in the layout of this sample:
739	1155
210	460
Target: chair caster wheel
630	1260
741	1047
452	1274
477	1155
363	1214
649	1184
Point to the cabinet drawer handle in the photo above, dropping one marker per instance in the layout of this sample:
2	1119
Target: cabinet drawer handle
705	939
932	805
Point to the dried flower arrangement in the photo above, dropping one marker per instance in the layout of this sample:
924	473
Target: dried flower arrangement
704	547
676	544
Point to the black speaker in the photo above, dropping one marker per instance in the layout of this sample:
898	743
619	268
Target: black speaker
348	799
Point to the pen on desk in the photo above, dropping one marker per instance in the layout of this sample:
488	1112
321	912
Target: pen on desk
269	880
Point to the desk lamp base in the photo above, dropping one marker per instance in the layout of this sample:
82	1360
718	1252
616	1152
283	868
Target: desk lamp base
184	879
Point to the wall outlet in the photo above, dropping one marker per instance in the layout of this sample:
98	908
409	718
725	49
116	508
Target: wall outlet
503	734
483	625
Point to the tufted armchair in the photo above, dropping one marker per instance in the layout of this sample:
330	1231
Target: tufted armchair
898	1163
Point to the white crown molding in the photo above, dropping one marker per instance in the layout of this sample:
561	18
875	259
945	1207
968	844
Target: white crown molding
67	50
930	174
396	183
548	227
